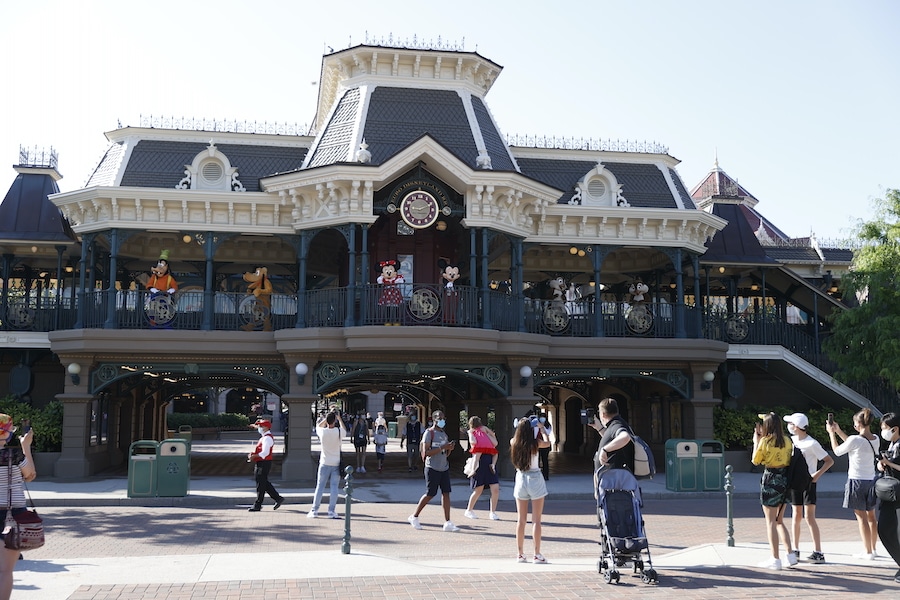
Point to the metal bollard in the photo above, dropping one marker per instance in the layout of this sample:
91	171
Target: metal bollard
729	507
348	497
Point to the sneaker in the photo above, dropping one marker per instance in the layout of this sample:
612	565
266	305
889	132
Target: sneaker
333	515
254	508
359	469
539	559
866	556
470	515
792	559
278	504
449	526
773	563
816	557
414	521
522	559
362	469
312	514
495	516
797	554
409	470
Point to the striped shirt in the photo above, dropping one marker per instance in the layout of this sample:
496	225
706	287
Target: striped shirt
17	487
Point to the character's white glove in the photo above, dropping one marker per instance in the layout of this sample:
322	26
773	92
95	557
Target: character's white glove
154	290
171	291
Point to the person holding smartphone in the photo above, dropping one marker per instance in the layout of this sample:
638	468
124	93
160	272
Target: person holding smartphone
859	491
436	448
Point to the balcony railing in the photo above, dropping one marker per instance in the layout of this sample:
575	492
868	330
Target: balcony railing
411	305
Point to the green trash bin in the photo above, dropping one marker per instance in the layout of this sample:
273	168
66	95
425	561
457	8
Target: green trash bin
142	469
185	432
712	465
392	429
173	468
682	464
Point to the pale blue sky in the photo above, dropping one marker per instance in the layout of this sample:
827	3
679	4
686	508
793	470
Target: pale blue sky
799	99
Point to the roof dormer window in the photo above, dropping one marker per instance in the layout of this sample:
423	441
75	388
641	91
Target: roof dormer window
211	170
598	187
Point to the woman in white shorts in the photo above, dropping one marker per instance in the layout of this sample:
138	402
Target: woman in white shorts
529	437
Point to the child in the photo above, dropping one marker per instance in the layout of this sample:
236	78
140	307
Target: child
381	440
482	441
813	452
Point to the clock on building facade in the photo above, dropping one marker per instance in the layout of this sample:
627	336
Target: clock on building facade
419	209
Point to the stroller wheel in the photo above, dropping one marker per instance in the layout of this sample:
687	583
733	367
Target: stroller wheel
650	576
607	576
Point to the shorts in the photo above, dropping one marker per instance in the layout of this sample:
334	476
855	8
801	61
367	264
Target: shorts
859	494
530	485
805	497
773	489
360	445
437	479
379	455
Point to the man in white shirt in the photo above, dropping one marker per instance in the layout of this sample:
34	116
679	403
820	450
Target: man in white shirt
331	430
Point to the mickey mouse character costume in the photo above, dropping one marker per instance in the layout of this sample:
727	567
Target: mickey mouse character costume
449	274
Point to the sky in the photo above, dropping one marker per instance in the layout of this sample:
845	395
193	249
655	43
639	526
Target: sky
798	100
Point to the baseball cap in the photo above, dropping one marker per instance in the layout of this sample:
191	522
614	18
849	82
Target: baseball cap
798	419
264	423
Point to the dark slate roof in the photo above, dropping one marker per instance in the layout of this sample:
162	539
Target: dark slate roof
334	145
789	254
28	214
160	163
561	174
643	185
493	141
736	244
399	116
837	254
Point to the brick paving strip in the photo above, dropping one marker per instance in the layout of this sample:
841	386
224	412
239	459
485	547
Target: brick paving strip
379	529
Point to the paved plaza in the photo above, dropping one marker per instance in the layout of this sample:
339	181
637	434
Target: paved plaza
103	545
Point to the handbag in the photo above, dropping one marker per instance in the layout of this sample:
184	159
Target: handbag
471	467
25	530
887	488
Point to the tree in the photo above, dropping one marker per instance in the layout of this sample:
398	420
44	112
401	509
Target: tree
865	341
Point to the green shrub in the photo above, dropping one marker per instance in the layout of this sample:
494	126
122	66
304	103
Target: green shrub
734	427
206	420
46	422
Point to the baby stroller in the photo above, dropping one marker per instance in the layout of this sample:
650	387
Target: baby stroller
622	538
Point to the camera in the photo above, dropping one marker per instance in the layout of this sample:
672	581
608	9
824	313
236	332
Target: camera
587	415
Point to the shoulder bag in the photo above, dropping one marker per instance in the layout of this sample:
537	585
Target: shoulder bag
887	488
25	530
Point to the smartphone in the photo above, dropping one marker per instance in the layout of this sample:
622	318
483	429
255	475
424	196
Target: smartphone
26	426
830	418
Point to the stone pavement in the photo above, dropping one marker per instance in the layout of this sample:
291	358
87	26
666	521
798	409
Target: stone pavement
102	545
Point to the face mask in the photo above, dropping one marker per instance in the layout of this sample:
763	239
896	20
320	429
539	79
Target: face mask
543	419
413	418
441	423
887	434
792	429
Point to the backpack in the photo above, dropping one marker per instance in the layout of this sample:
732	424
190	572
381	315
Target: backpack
798	476
644	463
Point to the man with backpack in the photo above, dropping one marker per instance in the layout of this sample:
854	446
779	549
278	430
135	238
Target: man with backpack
805	500
616	450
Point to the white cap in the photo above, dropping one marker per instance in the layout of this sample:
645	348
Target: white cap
798	419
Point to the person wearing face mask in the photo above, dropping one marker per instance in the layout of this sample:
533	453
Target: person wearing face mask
889	512
805	500
436	448
859	491
261	457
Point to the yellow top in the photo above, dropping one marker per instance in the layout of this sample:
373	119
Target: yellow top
767	454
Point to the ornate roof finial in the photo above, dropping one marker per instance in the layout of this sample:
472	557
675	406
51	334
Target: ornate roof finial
363	155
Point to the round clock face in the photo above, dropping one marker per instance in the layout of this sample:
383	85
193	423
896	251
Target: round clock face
419	209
